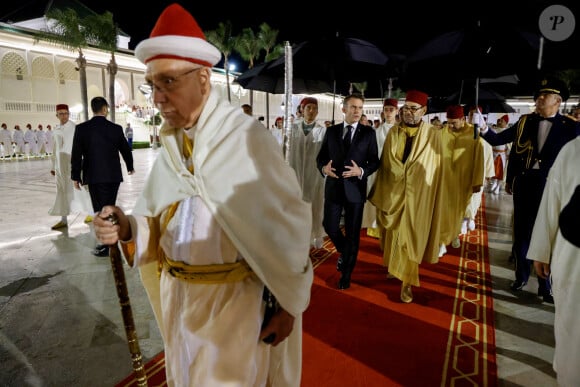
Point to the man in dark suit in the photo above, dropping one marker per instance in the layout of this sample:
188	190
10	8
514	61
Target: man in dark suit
95	159
348	156
537	139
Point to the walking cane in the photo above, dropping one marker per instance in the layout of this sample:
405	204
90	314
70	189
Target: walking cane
121	285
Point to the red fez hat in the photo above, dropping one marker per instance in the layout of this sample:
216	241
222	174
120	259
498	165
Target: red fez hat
417	97
61	106
39	126
29	126
307	100
391	102
177	35
3	125
279	119
505	117
472	108
455	112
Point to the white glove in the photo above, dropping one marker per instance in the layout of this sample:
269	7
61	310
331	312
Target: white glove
477	119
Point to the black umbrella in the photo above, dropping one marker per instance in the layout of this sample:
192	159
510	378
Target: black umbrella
444	63
271	81
337	61
489	100
262	78
440	65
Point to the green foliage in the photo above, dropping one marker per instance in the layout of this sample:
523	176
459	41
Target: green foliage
222	37
268	37
362	86
102	31
249	46
156	121
64	29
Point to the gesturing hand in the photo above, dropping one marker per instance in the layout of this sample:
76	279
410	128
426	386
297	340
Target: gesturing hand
352	170
329	171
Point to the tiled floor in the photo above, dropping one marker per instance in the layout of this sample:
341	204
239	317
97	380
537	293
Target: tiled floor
60	319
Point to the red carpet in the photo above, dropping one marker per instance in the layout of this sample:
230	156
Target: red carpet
366	337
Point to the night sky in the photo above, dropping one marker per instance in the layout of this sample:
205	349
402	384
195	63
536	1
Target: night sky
397	27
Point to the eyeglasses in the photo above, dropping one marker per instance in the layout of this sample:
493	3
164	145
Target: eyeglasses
165	84
413	109
62	113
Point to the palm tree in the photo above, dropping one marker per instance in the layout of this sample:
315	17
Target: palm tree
362	86
222	38
249	46
103	32
276	52
268	37
64	28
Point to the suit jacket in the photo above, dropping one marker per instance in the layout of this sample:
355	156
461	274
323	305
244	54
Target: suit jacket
524	135
95	152
363	150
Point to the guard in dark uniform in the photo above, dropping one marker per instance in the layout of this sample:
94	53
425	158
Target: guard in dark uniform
537	139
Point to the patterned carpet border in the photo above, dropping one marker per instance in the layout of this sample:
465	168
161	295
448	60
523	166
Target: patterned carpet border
471	332
470	354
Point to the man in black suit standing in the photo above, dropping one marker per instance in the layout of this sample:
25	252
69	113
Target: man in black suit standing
348	156
95	159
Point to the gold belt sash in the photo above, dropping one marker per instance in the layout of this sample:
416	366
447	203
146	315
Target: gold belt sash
207	274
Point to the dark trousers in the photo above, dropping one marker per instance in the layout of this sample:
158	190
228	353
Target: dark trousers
527	195
346	243
103	194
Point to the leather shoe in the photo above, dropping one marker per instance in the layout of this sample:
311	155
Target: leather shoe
344	282
101	251
339	264
517	285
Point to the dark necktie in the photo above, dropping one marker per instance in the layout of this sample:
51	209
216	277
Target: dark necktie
347	137
551	119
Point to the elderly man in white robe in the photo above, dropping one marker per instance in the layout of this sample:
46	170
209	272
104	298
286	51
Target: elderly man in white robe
305	141
222	217
555	250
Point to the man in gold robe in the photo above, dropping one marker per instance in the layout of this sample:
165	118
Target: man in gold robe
463	170
407	193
